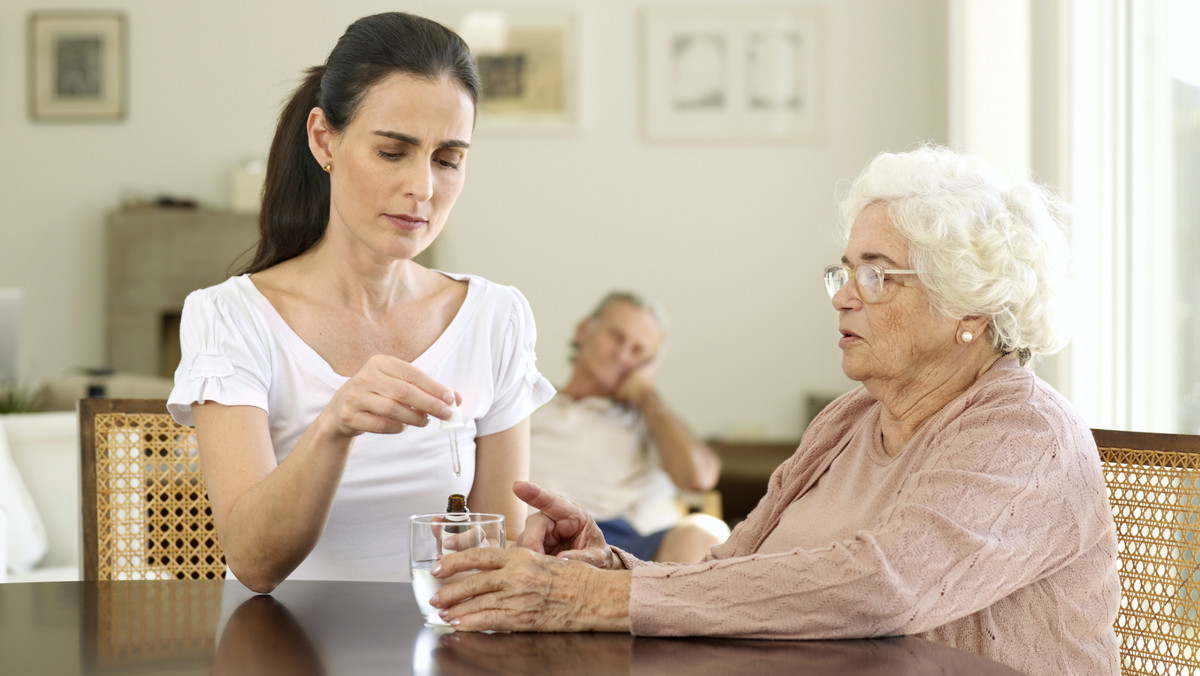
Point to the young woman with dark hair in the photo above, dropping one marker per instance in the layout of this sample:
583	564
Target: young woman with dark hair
312	375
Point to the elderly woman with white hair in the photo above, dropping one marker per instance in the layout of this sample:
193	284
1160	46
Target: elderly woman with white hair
954	495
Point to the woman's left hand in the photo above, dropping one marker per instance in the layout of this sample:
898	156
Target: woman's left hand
519	590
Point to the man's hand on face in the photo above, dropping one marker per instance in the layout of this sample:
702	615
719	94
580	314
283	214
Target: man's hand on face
637	385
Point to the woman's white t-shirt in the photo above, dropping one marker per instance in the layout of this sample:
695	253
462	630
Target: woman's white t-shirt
238	351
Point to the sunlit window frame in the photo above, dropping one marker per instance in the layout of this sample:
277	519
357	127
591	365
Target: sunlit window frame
1077	93
1119	179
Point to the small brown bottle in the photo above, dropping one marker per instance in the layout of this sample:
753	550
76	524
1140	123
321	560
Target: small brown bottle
456	514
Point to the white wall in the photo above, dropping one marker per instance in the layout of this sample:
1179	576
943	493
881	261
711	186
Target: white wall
730	237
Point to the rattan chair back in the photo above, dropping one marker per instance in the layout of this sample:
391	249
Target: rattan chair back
145	509
1154	489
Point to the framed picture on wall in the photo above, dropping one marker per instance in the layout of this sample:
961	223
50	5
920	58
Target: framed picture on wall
733	72
528	68
77	66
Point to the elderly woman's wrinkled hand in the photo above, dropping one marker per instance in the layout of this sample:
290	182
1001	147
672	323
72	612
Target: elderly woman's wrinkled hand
520	590
561	528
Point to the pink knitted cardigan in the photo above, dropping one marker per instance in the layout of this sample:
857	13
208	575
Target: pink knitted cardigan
999	540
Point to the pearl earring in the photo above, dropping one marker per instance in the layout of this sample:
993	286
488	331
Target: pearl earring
967	336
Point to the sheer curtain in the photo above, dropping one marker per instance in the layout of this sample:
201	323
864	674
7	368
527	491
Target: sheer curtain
1134	181
1101	99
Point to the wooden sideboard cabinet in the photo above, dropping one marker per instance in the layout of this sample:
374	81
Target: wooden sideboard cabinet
746	468
156	257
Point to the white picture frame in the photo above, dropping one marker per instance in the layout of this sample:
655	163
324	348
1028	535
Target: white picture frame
733	73
528	63
77	66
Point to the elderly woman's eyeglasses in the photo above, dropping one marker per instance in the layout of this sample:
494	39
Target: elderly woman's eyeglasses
869	279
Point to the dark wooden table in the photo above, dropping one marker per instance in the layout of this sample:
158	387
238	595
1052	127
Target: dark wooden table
352	628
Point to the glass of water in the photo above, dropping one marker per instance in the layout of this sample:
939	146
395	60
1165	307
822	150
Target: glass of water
432	536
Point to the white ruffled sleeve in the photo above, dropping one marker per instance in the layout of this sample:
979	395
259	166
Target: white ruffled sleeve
224	358
520	387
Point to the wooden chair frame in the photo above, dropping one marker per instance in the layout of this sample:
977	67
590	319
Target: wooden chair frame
144	506
1154	489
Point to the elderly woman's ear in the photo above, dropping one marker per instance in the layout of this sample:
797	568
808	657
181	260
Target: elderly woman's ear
971	329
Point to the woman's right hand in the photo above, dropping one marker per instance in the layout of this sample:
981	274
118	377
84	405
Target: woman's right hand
265	532
385	396
563	529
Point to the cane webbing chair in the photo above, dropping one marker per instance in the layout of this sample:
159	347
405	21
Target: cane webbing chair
153	626
145	509
1154	490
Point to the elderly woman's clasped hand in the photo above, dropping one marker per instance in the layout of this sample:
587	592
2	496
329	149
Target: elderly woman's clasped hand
560	578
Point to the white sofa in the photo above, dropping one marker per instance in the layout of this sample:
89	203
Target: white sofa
44	448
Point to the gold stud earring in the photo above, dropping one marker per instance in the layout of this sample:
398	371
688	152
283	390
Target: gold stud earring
328	168
967	336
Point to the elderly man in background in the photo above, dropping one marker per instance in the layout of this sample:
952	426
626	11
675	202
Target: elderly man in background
609	443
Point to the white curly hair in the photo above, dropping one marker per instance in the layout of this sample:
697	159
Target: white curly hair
980	246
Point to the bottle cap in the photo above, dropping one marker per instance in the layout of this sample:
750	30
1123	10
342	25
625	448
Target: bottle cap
456	419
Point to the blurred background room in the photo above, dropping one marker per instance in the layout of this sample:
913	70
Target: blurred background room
591	170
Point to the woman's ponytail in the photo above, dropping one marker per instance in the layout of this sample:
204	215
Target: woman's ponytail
295	203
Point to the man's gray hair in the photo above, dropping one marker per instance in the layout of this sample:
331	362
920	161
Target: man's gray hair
637	300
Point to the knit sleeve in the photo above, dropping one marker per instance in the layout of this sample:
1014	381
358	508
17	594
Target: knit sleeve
1007	496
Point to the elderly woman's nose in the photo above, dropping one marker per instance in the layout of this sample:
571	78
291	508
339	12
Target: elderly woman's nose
846	297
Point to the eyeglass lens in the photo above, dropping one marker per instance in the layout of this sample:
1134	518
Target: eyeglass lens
868	277
836	277
870	281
